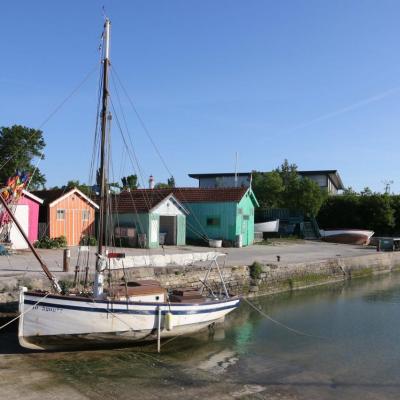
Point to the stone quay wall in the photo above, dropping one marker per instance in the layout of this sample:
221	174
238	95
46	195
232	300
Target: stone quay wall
240	280
273	278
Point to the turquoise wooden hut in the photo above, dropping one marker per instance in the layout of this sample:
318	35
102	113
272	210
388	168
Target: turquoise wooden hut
221	213
148	218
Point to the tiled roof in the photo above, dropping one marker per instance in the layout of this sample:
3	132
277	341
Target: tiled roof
137	201
143	200
208	195
50	195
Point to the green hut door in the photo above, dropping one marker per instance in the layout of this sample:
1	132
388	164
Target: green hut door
245	230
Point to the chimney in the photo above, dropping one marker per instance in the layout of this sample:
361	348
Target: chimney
151	182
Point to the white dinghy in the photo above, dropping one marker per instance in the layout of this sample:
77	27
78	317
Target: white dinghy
269	226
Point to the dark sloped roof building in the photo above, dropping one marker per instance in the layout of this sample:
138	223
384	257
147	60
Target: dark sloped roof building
326	179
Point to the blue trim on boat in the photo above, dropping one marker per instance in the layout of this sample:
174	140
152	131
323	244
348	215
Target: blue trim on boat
122	311
123	302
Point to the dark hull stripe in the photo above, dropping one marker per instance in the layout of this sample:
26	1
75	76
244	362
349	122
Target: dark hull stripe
121	302
122	311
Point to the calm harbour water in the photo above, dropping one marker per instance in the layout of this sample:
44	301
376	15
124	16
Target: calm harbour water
353	352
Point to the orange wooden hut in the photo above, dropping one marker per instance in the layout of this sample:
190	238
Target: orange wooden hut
68	213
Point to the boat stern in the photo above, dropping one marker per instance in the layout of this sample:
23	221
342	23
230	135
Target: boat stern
21	309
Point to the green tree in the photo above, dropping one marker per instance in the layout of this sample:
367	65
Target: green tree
376	213
161	185
288	173
366	192
86	189
349	191
284	187
171	182
310	197
130	182
395	205
268	188
19	145
291	182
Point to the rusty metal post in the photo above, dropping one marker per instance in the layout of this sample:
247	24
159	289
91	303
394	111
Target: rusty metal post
66	259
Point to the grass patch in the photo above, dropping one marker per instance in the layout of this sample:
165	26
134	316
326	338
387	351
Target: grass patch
362	272
255	270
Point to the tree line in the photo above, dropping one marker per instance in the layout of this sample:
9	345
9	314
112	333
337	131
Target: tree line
379	212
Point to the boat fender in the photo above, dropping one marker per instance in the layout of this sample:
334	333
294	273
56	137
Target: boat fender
169	321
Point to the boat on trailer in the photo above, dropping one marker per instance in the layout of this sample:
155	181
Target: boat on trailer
346	236
127	313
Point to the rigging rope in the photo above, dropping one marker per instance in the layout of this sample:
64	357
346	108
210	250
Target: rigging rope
21	148
264	314
23	313
204	235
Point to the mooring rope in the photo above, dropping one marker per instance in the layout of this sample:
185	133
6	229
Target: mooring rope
23	313
282	325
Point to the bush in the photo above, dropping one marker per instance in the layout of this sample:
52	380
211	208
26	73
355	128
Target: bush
47	243
255	270
61	241
88	241
66	286
378	212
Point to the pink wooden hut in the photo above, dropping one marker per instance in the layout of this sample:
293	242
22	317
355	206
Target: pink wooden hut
27	213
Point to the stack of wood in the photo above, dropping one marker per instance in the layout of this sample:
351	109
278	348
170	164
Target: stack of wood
186	295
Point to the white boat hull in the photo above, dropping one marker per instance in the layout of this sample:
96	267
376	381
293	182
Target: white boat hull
61	321
270	226
347	236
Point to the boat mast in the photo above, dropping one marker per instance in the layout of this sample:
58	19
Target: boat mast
51	277
101	264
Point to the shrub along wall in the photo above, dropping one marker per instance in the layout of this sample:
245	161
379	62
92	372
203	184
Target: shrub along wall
378	212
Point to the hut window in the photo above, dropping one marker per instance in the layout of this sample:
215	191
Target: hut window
213	221
60	214
85	215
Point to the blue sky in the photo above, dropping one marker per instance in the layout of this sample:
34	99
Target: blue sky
316	82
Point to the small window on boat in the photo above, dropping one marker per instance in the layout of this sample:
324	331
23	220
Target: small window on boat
60	214
85	215
157	297
214	221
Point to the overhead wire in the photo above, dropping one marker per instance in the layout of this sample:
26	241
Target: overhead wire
47	119
204	235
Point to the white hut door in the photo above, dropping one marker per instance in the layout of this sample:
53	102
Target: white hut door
22	215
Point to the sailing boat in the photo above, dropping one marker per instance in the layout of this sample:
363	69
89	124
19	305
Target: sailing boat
132	311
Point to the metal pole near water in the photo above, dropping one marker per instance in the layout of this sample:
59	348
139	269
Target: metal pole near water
66	259
159	330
